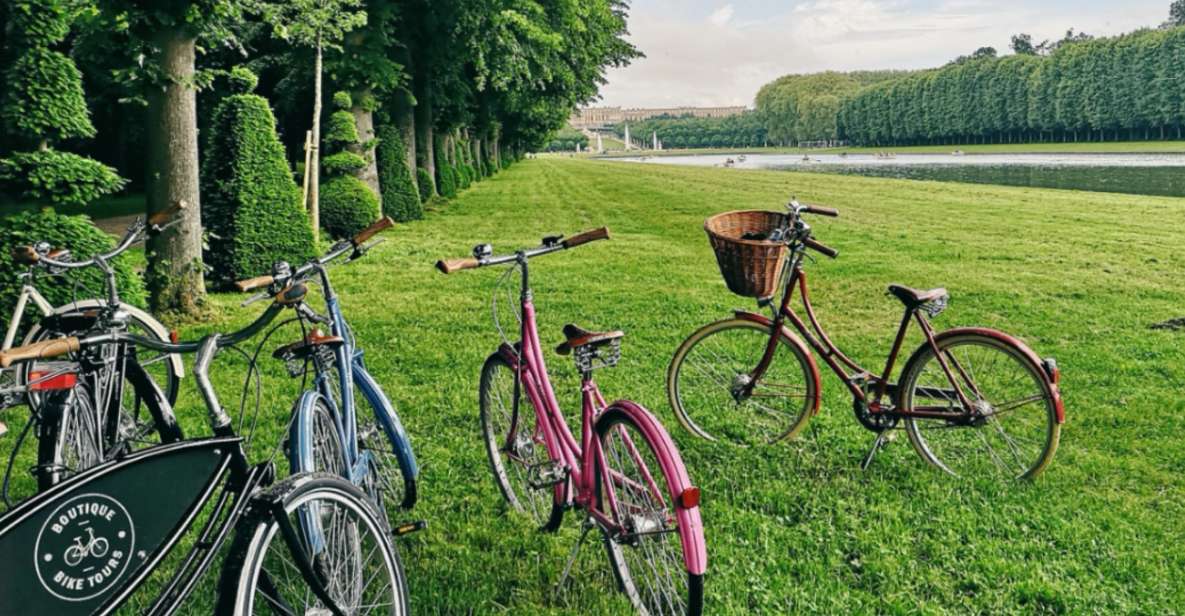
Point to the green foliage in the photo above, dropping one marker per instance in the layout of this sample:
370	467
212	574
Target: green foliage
424	184
566	139
251	205
43	97
341	130
241	80
342	101
746	130
343	163
75	233
312	22
401	199
446	176
40	22
58	178
347	206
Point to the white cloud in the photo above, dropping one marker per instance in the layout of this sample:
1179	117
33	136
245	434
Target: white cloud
726	58
722	16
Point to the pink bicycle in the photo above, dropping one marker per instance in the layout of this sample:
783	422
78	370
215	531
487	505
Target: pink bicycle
625	472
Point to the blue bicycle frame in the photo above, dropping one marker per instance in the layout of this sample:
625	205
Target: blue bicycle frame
351	373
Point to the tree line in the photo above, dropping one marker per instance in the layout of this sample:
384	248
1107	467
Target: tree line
1125	87
745	130
450	90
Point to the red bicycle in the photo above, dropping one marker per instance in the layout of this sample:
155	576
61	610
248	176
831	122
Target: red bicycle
625	472
973	401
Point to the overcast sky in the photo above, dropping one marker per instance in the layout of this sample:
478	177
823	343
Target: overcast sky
719	52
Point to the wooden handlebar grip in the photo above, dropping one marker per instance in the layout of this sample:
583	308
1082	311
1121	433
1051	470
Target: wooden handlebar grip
822	211
251	284
166	215
383	223
25	255
448	266
823	248
586	237
39	350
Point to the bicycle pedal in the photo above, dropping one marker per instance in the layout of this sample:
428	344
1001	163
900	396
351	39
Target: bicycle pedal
408	528
546	474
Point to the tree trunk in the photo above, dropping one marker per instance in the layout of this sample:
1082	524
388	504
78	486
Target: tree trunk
425	148
476	144
175	281
405	120
364	120
314	169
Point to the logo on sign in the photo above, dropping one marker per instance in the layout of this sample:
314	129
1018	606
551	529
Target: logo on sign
84	547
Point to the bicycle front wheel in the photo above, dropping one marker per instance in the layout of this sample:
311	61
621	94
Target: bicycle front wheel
709	385
647	549
515	446
1011	431
353	563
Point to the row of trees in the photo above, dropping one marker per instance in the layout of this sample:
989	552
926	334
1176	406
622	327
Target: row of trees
567	139
798	108
740	131
420	98
1125	87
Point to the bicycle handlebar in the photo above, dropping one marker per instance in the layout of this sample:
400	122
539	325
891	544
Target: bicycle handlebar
448	266
820	210
381	224
166	215
820	247
39	350
251	284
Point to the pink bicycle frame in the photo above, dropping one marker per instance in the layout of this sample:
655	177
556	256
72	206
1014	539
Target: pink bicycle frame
580	457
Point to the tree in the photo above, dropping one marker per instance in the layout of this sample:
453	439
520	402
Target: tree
44	105
1176	14
350	205
320	25
1022	44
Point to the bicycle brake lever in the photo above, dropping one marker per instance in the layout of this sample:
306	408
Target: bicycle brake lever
255	298
362	249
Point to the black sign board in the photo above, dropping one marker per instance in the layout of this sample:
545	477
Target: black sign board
81	547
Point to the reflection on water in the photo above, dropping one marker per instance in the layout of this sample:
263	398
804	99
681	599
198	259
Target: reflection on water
1148	174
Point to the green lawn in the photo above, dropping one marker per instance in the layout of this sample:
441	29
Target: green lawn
796	528
1121	147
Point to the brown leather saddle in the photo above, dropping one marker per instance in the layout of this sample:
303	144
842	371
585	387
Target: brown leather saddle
913	298
578	337
302	349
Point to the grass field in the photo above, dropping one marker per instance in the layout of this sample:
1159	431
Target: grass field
1121	147
795	528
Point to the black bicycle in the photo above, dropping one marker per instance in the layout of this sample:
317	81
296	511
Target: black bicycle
310	544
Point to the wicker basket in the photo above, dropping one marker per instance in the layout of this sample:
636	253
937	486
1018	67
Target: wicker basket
751	268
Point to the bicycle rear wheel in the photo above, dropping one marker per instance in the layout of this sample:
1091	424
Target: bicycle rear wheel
70	438
1013	431
710	371
354	562
647	553
515	446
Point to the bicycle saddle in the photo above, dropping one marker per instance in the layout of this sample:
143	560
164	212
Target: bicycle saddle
302	348
912	298
578	337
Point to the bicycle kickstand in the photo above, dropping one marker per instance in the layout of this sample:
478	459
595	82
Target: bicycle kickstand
882	439
573	555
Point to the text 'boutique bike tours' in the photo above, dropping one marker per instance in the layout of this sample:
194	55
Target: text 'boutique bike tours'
625	472
310	544
974	401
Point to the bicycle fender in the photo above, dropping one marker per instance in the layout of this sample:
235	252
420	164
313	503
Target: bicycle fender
388	418
300	434
796	341
1027	353
678	480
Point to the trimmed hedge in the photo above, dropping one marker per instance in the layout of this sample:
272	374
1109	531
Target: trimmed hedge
446	179
347	206
250	204
342	163
83	239
61	178
401	199
424	183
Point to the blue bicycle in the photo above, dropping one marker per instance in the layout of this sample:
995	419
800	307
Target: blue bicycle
331	431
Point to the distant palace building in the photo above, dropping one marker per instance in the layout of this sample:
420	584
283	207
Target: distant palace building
600	117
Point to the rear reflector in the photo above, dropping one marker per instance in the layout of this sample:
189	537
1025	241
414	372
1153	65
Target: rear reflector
689	498
39	382
173	336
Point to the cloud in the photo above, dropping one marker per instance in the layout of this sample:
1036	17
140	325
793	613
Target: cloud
722	16
724	55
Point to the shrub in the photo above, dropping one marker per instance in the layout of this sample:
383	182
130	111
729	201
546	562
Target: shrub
446	181
83	239
61	178
347	206
241	80
401	199
340	130
424	182
343	163
250	204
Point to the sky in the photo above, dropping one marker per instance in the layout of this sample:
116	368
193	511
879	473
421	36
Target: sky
719	52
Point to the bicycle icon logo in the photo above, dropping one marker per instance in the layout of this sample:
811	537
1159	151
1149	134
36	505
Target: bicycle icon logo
84	547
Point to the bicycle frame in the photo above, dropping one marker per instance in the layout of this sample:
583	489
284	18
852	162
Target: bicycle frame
841	363
28	292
